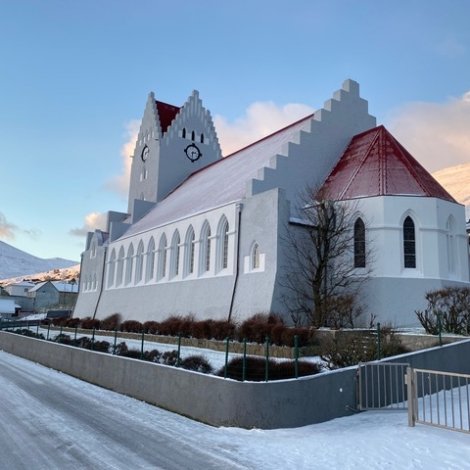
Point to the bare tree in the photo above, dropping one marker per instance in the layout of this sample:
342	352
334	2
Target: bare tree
324	249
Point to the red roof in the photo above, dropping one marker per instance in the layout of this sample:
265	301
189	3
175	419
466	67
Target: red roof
166	113
376	164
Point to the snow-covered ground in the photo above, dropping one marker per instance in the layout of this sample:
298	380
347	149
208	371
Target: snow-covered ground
52	421
215	358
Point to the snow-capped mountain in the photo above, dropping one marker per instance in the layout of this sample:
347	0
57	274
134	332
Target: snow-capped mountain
456	180
14	262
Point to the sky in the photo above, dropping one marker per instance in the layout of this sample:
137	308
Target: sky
75	78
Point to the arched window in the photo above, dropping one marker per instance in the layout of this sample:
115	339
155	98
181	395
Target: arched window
183	134
129	264
193	135
139	262
205	248
93	249
202	138
175	255
162	258
451	245
95	282
150	265
120	266
189	252
409	243
111	267
359	244
222	244
255	257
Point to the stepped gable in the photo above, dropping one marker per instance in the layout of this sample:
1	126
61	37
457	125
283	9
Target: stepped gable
166	113
221	182
376	164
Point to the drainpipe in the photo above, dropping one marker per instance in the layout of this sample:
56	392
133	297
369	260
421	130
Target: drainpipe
102	280
237	260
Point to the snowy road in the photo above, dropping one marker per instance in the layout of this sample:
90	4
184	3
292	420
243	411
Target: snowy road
49	420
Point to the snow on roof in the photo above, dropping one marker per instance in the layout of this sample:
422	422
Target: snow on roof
65	286
219	183
376	164
60	286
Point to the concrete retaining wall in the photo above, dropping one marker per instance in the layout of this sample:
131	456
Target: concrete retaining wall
217	401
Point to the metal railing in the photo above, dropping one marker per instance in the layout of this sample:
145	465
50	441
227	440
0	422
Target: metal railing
381	385
439	399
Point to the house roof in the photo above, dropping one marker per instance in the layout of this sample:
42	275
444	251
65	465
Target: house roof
376	164
166	113
219	183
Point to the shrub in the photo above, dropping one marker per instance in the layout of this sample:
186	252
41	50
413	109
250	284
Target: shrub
131	326
151	327
202	329
72	322
152	356
111	322
255	369
450	307
349	349
197	363
89	323
169	358
220	329
170	326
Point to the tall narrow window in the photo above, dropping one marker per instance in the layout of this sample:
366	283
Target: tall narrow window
222	241
255	257
120	267
139	262
184	133
129	264
189	252
359	244
202	138
193	135
205	251
175	255
150	263
111	267
162	257
409	243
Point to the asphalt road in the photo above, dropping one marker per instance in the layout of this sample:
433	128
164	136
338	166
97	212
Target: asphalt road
49	420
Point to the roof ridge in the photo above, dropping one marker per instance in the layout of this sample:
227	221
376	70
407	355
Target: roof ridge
233	154
364	158
271	135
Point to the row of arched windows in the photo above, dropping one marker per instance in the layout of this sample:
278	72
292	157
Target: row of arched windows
170	260
409	243
89	283
192	135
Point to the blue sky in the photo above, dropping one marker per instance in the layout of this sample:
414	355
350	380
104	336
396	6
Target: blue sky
75	76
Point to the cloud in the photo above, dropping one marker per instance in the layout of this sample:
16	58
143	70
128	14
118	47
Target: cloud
455	180
260	119
94	220
7	229
436	134
120	183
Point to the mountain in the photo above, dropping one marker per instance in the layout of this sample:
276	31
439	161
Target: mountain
456	180
15	263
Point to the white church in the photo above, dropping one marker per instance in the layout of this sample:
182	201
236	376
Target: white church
203	234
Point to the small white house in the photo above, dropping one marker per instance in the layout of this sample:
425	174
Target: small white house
8	308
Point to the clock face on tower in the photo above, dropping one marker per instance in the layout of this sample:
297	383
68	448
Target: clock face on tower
192	152
145	154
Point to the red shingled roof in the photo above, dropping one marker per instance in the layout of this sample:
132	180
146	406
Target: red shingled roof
376	164
166	113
